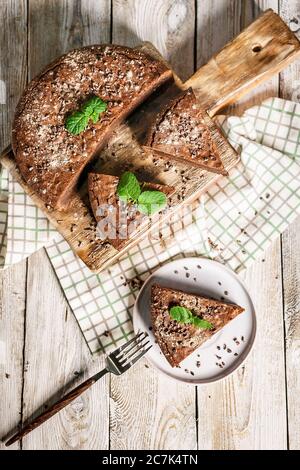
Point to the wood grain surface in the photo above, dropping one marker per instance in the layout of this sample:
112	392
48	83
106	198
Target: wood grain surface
258	406
236	405
261	50
290	89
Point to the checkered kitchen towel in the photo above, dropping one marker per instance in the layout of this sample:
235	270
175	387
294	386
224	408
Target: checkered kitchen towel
234	222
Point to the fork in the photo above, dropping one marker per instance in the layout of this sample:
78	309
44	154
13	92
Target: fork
117	362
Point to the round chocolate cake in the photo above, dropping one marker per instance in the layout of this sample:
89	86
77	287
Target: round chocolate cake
49	157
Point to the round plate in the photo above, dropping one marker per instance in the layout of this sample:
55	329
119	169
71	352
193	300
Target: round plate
224	351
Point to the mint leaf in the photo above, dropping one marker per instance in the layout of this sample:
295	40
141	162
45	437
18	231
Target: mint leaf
128	187
184	315
200	323
78	121
150	202
93	107
181	314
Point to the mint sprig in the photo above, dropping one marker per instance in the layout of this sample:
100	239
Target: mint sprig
185	316
78	121
148	202
129	188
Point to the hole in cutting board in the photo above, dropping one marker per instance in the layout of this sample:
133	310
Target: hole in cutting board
256	48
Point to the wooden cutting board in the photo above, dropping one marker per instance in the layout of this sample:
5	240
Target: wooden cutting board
260	51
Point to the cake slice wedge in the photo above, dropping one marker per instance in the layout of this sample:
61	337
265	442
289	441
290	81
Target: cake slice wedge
178	340
181	132
117	221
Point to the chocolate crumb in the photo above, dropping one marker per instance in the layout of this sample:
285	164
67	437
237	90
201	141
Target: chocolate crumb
192	373
198	364
235	354
229	350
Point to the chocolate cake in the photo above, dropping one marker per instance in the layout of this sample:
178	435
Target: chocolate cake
49	157
124	219
178	340
180	132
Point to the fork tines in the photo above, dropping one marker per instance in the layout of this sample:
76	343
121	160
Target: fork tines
127	354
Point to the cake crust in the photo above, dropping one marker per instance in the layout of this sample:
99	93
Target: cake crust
177	340
180	132
51	159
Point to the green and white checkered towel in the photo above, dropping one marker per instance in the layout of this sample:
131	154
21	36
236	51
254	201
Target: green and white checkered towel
234	222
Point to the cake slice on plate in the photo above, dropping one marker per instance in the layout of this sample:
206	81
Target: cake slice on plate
181	132
118	219
182	322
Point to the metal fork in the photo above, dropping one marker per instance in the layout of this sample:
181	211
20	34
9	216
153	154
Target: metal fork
117	362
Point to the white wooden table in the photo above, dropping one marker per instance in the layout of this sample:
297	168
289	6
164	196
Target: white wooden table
257	407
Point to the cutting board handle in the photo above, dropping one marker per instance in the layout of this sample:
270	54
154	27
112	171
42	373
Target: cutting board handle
261	50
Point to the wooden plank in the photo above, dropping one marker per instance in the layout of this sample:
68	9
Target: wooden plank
57	359
248	410
261	50
291	292
165	23
13	61
234	412
68	24
13	74
290	89
12	309
54	348
148	410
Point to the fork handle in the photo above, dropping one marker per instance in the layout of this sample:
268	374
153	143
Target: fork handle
56	407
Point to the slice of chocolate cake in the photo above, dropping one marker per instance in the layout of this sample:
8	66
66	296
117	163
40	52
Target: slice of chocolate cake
117	220
178	339
181	132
